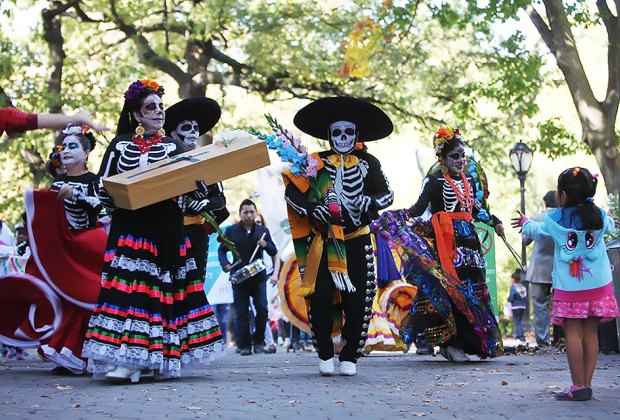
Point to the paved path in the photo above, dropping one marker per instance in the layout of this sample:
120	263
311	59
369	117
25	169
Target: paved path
287	385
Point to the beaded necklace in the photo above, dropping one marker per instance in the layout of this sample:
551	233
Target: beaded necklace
465	200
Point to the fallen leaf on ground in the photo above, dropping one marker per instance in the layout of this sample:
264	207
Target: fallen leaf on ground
193	408
420	414
338	402
75	405
63	387
504	383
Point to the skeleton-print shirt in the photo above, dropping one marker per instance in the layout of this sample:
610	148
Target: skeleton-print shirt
123	155
438	194
83	208
364	179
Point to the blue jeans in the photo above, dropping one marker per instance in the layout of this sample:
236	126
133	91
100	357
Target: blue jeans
517	316
256	288
541	300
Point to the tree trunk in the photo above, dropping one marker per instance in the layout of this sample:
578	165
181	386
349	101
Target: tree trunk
604	146
597	117
191	89
52	33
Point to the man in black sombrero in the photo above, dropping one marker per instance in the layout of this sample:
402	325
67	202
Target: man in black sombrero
186	121
357	187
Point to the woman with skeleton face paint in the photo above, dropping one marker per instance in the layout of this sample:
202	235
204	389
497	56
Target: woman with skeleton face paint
77	186
452	309
152	312
67	250
353	190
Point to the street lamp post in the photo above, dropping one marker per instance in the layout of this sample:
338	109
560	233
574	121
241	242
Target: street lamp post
521	159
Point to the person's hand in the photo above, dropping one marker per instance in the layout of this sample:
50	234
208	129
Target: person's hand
262	243
273	279
226	268
198	205
83	117
66	191
517	222
321	214
362	203
202	190
499	229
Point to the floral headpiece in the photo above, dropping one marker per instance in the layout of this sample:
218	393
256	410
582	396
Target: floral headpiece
75	129
136	88
442	136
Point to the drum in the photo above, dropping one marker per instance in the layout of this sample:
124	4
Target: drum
247	271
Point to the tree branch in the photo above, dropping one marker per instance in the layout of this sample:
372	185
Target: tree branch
83	15
145	52
541	27
612	96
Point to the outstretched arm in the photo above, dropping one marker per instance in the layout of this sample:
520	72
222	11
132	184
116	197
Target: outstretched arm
59	121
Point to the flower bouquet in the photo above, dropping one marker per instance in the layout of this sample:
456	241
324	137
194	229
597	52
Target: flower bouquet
290	150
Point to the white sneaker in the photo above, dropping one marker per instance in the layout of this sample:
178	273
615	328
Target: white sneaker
456	355
326	367
348	369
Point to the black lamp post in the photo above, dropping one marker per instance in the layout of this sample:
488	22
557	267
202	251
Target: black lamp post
521	159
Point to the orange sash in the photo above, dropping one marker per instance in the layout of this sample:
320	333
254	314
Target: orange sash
444	236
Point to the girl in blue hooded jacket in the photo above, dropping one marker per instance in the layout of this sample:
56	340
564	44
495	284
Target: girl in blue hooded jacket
583	294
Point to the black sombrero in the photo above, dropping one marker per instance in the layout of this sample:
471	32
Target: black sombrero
315	118
205	111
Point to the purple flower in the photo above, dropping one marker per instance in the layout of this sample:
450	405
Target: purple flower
134	90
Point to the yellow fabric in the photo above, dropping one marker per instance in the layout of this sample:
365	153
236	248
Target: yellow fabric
361	231
193	220
308	281
349	160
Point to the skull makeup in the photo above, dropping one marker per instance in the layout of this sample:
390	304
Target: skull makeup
73	153
188	132
342	137
151	113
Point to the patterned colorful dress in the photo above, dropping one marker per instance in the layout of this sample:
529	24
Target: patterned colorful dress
152	311
443	259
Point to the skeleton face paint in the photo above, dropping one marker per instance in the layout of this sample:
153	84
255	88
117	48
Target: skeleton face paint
342	136
188	132
73	154
151	115
455	160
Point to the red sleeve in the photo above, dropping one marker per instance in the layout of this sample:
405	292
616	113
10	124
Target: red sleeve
13	120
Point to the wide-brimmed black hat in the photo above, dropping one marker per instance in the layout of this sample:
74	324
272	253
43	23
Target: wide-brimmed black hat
205	111
315	118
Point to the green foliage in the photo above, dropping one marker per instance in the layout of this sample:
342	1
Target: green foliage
556	141
614	210
425	63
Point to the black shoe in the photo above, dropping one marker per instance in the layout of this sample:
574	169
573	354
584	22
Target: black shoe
62	371
245	352
259	348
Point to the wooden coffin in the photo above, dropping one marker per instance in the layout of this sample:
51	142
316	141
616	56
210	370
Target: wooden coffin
177	175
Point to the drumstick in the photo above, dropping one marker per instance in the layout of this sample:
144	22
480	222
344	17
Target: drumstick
257	246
